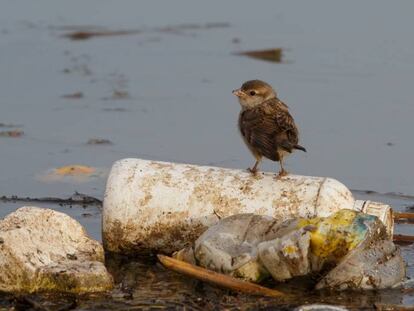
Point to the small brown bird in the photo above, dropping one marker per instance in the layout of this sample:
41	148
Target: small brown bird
265	123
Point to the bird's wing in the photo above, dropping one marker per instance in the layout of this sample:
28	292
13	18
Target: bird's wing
287	135
268	128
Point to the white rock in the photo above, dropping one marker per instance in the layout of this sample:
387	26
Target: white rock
44	250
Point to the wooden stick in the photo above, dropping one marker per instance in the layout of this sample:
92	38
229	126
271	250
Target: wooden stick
219	279
403	238
398	215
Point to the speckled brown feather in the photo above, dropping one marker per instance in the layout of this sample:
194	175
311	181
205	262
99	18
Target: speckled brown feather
269	129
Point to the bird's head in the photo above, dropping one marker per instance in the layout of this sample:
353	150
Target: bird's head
253	93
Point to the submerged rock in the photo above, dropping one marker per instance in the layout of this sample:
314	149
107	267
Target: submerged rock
253	247
45	250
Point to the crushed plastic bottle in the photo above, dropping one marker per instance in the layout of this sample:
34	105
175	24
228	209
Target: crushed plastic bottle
349	249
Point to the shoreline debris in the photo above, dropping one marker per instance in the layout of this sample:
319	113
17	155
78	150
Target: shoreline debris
75	199
350	249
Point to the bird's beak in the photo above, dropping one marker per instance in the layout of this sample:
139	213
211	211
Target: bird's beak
238	93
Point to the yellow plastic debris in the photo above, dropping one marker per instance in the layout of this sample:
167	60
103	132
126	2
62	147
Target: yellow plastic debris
75	170
333	237
72	174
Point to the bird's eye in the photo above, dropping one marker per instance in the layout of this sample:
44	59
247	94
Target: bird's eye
252	93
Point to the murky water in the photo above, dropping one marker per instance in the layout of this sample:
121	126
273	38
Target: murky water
164	92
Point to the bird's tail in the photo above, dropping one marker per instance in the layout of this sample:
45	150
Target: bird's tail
299	147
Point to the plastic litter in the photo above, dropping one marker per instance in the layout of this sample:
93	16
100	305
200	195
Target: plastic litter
351	249
159	206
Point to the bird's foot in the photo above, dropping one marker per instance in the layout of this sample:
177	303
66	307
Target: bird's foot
252	170
281	174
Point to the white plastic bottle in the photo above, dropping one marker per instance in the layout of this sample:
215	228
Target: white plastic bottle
160	206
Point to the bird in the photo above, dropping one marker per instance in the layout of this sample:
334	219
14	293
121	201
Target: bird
267	127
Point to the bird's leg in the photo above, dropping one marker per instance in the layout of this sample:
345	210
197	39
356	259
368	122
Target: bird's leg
282	171
253	170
